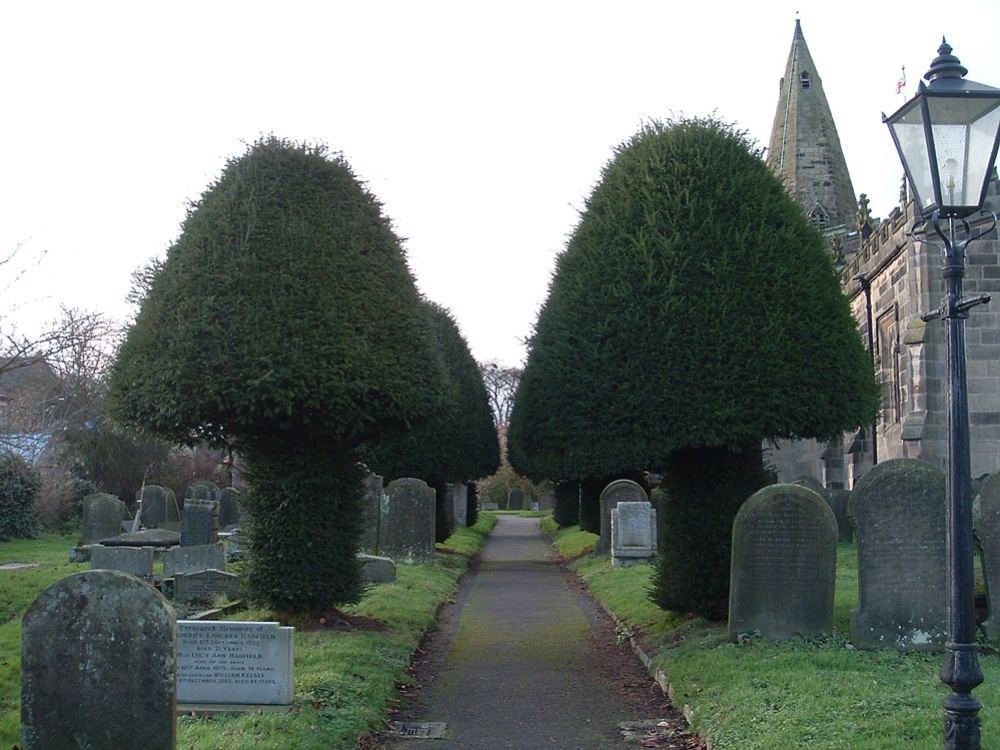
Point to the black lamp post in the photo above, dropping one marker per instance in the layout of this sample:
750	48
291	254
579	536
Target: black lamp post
947	137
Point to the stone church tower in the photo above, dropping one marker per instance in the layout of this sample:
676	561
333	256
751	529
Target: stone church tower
891	278
805	148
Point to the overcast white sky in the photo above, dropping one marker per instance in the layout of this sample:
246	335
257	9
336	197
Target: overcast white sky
482	127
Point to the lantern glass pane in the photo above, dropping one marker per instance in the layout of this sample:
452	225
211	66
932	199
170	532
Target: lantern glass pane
965	130
908	131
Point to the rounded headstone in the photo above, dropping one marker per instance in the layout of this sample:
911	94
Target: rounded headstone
98	665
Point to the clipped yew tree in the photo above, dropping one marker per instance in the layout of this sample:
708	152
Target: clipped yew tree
694	313
286	324
458	442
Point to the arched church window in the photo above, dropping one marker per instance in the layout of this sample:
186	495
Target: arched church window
805	79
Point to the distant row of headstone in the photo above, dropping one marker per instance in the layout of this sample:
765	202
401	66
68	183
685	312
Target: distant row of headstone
400	518
784	557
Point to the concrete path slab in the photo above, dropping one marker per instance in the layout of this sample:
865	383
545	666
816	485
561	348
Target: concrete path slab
521	670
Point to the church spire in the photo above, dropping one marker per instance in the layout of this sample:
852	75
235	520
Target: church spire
805	149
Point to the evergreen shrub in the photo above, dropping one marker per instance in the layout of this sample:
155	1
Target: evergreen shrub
20	485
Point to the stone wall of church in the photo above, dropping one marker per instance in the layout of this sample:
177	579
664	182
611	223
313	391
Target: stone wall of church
910	356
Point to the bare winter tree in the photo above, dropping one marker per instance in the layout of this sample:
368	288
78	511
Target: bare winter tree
501	384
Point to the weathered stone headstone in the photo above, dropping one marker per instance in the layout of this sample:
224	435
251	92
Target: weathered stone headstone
203	490
234	663
488	505
547	501
783	565
194	559
199	522
102	517
515	499
459	498
376	569
986	514
633	534
229	507
159	506
838	499
406	521
370	510
898	511
618	491
812	483
97	665
205	585
135	560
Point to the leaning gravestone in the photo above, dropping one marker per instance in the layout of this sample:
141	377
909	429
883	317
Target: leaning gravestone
986	514
547	501
619	491
234	663
102	517
371	503
229	507
633	534
199	523
97	666
783	565
898	511
515	499
406	521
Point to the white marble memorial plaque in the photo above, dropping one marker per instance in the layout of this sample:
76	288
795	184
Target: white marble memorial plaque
234	663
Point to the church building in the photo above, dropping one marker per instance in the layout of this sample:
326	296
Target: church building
891	276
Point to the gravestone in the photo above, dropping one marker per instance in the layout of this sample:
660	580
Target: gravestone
97	665
229	507
810	482
487	505
371	505
376	569
783	565
515	499
159	507
838	499
547	501
633	534
459	498
618	491
203	490
135	560
194	559
234	663
199	523
898	512
205	585
986	515
406	521
235	543
102	517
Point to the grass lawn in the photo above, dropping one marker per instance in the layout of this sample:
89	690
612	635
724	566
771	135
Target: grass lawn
753	695
345	682
803	693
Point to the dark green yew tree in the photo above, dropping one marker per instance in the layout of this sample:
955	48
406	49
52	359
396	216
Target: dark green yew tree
694	313
286	324
458	442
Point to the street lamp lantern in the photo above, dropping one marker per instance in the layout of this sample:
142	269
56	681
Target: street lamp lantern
947	139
